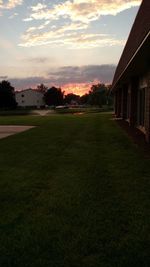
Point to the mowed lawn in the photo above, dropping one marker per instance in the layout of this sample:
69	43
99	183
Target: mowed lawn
74	191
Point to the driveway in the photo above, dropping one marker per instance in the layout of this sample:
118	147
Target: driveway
7	130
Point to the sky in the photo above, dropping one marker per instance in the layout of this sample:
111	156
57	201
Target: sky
71	44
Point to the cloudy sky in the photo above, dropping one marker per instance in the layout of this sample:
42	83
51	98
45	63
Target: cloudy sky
67	43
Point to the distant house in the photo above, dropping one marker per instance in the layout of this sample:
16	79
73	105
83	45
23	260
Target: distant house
30	98
131	84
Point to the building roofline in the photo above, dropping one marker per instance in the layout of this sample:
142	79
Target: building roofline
29	89
132	58
138	37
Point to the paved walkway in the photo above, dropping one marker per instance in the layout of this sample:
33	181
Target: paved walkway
7	130
43	112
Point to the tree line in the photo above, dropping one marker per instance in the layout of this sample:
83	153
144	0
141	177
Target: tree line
99	95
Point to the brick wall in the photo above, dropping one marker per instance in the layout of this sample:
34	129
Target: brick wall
147	107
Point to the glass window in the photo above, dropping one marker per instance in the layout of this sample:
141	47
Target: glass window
128	103
141	107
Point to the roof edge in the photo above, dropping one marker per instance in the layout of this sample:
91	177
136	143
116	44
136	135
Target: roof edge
147	35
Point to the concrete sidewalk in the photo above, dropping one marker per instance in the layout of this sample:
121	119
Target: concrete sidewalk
7	130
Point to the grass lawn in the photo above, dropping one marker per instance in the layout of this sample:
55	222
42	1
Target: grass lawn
74	192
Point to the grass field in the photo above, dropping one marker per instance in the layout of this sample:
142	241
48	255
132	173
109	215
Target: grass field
74	192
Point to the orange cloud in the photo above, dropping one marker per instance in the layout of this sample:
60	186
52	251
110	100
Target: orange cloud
10	4
77	88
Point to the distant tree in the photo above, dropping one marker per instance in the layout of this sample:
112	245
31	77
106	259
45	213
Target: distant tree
7	95
110	97
54	97
98	95
84	99
42	88
71	98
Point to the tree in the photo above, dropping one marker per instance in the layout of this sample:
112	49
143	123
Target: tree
71	98
110	98
7	95
54	97
98	95
84	99
42	88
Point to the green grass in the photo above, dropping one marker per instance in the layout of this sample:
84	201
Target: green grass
16	112
90	109
74	192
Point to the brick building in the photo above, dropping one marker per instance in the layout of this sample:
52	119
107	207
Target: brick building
131	84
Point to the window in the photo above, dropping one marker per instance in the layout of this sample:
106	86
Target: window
141	107
128	103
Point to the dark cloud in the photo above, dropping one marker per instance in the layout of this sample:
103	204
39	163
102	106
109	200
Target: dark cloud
83	74
3	77
39	60
22	83
69	74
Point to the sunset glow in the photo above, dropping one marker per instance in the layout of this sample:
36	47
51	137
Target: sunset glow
64	43
79	89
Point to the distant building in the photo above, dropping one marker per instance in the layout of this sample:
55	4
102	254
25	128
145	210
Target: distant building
30	98
131	84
